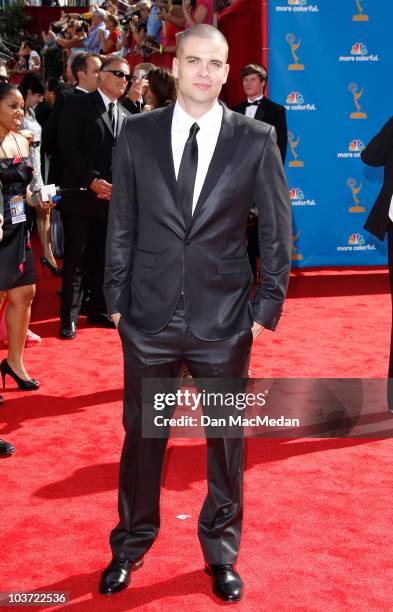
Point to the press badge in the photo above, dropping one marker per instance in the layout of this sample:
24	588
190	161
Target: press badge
17	209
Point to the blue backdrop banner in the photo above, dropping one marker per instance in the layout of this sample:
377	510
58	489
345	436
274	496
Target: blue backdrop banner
330	65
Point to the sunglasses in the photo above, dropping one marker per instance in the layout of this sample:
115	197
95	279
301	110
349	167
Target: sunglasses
119	74
3	78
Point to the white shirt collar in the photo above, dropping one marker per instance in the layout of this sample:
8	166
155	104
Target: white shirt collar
182	121
256	99
106	99
81	89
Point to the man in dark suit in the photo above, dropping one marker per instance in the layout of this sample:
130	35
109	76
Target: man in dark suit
379	152
258	106
85	68
88	132
178	281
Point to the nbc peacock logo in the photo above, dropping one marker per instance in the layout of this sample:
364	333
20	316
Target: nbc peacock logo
356	242
296	195
356	239
359	53
295	97
355	147
359	49
295	101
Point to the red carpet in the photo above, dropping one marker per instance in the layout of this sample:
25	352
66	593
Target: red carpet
318	528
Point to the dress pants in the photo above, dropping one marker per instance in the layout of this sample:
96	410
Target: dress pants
390	266
162	356
84	262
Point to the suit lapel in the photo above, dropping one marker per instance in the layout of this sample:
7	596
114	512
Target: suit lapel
261	110
223	153
120	119
163	153
101	110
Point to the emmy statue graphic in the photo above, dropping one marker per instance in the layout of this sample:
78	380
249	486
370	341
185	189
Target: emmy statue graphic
352	184
295	162
295	255
360	16
354	89
290	38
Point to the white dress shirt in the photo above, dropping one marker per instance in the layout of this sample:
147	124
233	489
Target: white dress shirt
107	101
209	129
79	88
391	209
251	110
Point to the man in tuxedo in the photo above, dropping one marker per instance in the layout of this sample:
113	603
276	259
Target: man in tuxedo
85	68
177	284
379	152
259	107
88	132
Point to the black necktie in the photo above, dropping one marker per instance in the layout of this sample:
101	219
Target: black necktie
255	103
111	113
187	173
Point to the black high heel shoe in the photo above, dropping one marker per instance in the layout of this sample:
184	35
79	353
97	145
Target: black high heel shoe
6	448
54	269
25	385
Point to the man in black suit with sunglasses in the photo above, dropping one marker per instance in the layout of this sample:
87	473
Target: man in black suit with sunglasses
89	128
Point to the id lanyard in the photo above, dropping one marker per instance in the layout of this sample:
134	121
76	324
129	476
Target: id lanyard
16	202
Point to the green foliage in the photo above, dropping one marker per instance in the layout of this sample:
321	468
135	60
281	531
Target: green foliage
13	23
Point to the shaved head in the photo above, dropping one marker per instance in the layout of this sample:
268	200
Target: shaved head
202	30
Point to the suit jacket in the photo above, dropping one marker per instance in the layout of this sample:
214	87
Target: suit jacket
379	152
151	256
86	144
273	114
50	133
132	107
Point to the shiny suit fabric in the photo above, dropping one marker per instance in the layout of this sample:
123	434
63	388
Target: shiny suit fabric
183	293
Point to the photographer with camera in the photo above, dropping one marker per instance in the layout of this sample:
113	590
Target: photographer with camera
134	100
145	27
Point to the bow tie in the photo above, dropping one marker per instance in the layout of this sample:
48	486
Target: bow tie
255	103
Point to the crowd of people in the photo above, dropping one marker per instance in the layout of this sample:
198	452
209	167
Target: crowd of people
135	30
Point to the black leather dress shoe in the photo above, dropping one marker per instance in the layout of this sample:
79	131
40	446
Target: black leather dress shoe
6	449
117	576
227	584
101	320
68	332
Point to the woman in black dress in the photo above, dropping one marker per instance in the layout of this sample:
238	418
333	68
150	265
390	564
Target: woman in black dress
17	274
6	448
